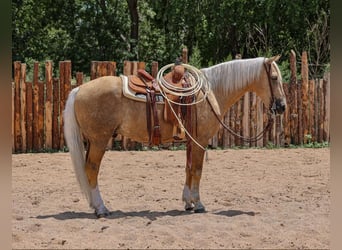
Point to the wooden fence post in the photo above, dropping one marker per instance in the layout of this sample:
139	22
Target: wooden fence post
245	118
260	120
326	118
67	88
29	116
55	115
304	96
286	118
48	104
93	66
293	102
232	118
311	108
320	111
79	78
41	137
316	110
13	118
154	70
185	57
253	117
61	102
226	134
17	130
35	107
23	106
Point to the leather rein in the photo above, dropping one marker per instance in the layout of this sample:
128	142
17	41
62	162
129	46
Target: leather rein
270	114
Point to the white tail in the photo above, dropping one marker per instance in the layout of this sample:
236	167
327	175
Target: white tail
74	142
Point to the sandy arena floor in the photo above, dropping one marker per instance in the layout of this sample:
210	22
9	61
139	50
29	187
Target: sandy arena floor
255	198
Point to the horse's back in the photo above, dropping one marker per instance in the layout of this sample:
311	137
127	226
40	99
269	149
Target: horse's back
105	85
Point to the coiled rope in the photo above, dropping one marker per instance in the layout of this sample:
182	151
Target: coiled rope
196	79
197	82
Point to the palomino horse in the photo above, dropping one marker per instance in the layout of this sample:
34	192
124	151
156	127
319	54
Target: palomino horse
97	110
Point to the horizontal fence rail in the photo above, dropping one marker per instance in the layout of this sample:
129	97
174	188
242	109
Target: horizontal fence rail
37	106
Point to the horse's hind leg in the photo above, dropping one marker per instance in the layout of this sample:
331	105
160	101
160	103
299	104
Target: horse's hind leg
92	166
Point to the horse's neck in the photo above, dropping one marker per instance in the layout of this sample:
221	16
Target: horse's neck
231	80
227	99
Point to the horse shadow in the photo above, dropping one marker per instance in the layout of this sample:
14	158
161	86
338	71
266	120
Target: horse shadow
151	215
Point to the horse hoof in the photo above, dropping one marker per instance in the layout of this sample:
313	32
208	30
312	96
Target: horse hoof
189	208
102	213
200	210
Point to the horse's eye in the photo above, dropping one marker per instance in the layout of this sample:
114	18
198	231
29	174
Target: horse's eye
274	77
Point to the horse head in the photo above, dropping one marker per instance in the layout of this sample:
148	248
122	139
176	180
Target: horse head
270	86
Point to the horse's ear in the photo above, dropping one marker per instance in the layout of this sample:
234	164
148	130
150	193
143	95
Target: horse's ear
272	59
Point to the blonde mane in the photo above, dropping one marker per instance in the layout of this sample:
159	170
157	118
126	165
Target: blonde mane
235	74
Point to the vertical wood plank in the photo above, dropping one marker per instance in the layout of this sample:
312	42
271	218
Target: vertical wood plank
61	102
326	123
238	121
278	130
35	107
321	111
67	89
127	68
232	119
35	117
304	96
226	134
185	55
253	117
41	136
93	66
79	78
269	136
135	68
55	115
316	110
286	120
13	116
293	101
17	102
111	69
300	113
48	104
245	118
141	65
260	119
29	116
154	70
311	95
23	107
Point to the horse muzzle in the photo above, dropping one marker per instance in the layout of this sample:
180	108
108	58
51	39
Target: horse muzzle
279	106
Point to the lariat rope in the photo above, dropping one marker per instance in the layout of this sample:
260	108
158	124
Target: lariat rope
199	84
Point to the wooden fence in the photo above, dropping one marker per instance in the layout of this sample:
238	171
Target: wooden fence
37	122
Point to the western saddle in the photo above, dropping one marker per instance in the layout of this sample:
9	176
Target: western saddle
145	84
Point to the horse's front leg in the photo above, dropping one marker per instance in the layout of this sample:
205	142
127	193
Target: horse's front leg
191	195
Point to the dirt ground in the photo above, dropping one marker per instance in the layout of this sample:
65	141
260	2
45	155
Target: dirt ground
255	198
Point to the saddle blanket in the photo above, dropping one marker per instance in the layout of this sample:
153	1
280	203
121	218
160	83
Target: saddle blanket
129	93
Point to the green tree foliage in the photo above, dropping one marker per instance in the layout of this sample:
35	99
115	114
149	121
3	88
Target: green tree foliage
212	30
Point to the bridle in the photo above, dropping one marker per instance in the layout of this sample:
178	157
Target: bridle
271	112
